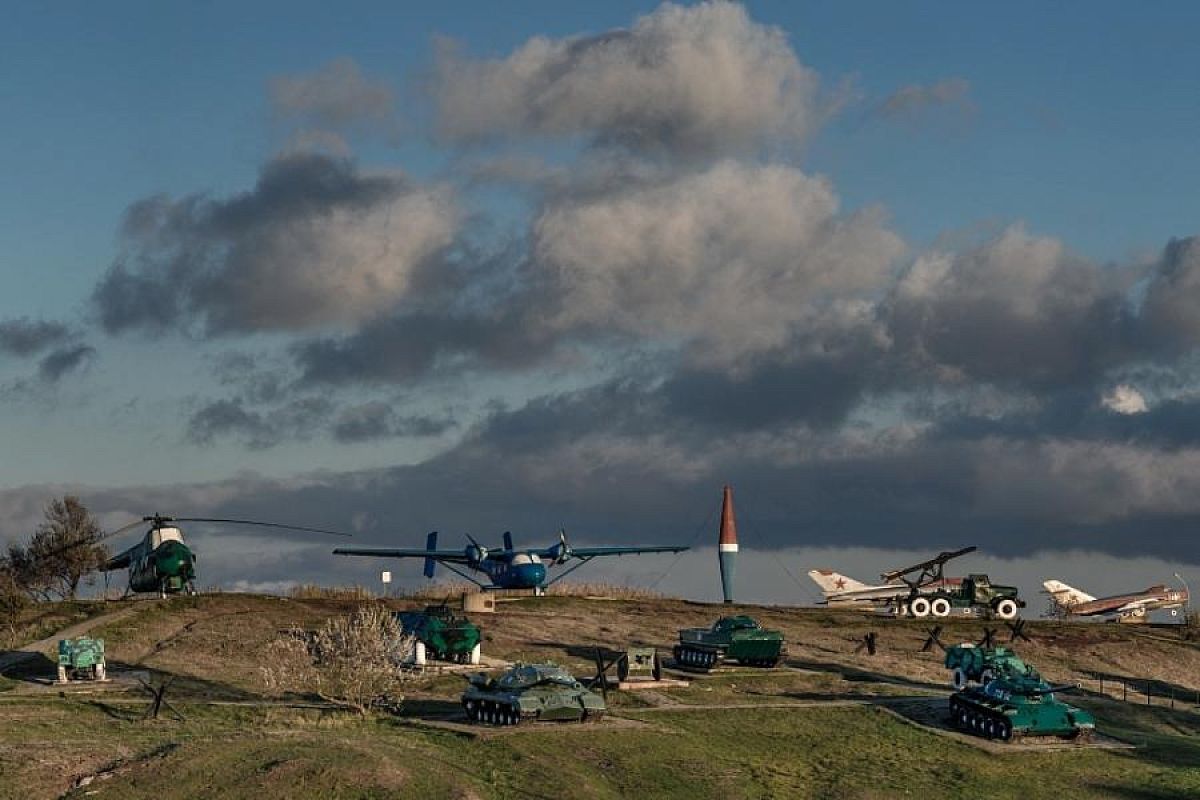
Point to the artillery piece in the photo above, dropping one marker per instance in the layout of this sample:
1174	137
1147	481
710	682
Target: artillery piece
740	638
1012	701
544	692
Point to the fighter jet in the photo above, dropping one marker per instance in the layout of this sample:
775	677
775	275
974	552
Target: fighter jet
1129	607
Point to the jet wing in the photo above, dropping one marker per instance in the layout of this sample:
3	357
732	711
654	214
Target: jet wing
592	552
450	556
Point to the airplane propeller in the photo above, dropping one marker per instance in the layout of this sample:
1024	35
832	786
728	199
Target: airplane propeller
561	551
475	552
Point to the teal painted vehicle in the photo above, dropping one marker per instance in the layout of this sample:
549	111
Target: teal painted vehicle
1015	703
81	659
739	638
525	692
971	664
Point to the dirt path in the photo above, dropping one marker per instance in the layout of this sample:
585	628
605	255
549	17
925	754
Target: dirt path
49	645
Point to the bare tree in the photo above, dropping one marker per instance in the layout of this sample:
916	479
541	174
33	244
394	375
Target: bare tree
61	551
13	601
354	660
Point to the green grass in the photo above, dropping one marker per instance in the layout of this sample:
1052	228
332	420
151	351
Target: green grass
46	741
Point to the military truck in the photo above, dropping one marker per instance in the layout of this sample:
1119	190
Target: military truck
1013	705
543	692
441	634
975	593
81	659
740	638
971	664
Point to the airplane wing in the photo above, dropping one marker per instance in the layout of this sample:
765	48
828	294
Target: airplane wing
449	556
592	552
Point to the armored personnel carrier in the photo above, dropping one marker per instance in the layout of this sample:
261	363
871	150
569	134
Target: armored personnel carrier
441	635
81	659
544	692
1013	704
971	664
739	638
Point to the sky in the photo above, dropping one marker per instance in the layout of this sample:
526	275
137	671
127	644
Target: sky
909	277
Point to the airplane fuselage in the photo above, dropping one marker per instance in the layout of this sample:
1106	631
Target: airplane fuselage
514	571
1149	600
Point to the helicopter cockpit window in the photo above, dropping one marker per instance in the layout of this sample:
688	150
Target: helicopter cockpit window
160	535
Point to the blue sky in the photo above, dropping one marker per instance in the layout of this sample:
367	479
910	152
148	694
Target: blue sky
1029	162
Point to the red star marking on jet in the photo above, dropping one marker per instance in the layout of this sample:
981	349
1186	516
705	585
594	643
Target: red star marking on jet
839	583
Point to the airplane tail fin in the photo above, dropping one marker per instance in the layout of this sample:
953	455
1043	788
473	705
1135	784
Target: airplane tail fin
430	544
1066	595
508	542
833	582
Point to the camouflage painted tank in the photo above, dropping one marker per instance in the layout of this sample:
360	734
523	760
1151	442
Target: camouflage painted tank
970	664
1010	706
740	638
530	692
441	634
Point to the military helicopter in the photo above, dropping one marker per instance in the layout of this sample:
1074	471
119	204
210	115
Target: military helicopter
506	567
161	562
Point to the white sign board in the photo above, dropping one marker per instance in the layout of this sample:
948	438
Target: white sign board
386	576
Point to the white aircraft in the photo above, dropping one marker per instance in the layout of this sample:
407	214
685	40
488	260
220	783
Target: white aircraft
1131	606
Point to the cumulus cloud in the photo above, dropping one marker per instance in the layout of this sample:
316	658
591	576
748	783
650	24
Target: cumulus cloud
336	96
1017	310
681	80
731	256
913	99
315	243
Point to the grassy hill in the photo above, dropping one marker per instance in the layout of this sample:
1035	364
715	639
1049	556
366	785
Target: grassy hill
823	727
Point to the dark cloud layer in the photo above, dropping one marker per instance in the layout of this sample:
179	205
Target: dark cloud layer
24	337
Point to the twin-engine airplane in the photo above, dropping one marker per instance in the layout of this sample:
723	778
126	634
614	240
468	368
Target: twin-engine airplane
506	568
1132	606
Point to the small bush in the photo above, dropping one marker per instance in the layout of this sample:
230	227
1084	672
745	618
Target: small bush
355	660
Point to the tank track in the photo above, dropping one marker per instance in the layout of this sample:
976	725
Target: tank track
692	658
981	722
490	712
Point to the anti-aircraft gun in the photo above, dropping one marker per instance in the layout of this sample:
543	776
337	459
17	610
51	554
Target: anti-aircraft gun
1013	699
545	692
971	664
740	638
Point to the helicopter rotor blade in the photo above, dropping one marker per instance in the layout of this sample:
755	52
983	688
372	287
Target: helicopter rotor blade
260	524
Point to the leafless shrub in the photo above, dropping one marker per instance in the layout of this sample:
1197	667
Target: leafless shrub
354	660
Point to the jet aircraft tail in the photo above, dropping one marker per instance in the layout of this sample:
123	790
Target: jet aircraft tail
834	582
1066	596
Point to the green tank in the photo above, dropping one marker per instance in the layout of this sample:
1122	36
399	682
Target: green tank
441	635
1011	705
81	658
739	638
971	664
545	692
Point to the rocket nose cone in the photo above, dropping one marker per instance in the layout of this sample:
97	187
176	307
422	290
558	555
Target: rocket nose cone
728	534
